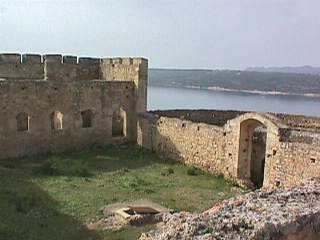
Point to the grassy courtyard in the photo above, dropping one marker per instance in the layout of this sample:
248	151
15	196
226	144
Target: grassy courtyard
51	197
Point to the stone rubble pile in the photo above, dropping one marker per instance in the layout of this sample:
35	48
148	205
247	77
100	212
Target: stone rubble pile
257	215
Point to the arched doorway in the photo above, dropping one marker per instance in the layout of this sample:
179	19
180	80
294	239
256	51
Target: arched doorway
23	122
119	123
56	120
87	118
252	151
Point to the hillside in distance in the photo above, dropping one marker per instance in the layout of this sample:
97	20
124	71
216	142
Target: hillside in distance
289	83
301	69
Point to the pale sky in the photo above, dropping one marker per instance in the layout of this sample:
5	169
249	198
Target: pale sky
231	34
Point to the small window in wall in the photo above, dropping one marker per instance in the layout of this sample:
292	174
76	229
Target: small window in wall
23	122
119	123
87	116
56	119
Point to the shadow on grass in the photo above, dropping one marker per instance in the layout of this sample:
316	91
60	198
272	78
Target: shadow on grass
27	212
30	213
88	162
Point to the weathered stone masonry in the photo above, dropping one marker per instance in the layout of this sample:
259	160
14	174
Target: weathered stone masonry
52	103
227	142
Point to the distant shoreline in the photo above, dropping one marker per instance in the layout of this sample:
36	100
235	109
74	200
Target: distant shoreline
256	92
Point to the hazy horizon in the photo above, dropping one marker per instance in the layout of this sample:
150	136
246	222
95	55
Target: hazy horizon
236	69
206	34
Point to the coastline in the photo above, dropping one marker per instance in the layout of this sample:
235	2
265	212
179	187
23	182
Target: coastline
256	92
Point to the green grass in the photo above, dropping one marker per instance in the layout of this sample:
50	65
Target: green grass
51	197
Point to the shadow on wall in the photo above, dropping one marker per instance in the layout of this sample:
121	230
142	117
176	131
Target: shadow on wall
27	212
164	146
305	227
308	233
193	144
153	140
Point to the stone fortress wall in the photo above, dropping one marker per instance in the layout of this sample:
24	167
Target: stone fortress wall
260	149
54	103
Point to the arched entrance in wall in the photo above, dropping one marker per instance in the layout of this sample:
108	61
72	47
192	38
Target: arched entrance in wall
56	120
252	151
119	123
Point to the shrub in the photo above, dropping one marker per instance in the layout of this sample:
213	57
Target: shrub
193	171
8	165
125	170
48	167
220	176
81	170
60	167
149	191
169	161
170	171
132	182
24	203
235	184
167	172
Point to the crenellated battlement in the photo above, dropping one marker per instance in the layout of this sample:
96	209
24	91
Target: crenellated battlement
65	68
53	103
58	68
15	58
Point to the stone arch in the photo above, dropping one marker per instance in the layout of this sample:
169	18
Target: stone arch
56	120
252	151
23	122
119	123
266	119
87	118
254	131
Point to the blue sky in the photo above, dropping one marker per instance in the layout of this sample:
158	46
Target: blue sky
171	33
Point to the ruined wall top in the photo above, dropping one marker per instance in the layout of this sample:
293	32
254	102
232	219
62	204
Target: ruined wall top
289	128
221	117
300	121
212	117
